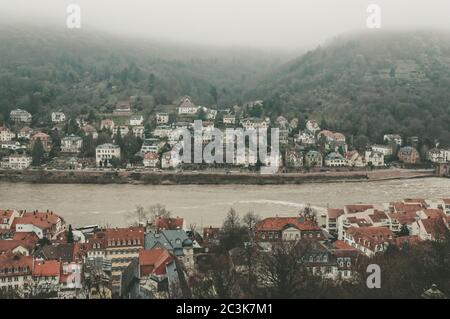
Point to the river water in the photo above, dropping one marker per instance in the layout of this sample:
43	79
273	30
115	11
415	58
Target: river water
206	205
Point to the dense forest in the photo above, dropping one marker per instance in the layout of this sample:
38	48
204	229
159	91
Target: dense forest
364	85
75	71
367	85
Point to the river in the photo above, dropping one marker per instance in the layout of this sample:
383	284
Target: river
206	205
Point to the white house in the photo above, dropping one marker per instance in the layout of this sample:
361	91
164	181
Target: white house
5	134
393	138
386	150
162	118
105	152
136	120
187	107
170	160
151	159
58	117
229	119
374	158
335	160
71	144
19	161
439	155
138	131
20	116
312	126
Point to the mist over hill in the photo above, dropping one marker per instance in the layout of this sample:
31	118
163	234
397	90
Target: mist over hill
364	85
368	84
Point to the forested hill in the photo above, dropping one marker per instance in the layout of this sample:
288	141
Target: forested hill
48	69
369	84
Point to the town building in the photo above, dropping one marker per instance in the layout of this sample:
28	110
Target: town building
136	120
123	108
312	126
5	134
19	161
386	150
90	130
162	118
105	153
275	229
393	139
107	124
374	158
20	116
44	138
313	159
186	107
71	144
58	117
335	160
408	155
151	159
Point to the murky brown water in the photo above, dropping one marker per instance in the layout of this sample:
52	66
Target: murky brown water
206	205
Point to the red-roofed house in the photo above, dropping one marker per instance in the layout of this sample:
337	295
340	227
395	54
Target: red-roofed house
15	271
43	224
430	228
287	229
47	273
7	218
369	240
331	219
169	223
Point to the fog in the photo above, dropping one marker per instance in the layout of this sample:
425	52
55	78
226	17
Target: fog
274	24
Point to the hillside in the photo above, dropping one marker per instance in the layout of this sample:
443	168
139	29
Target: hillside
369	84
48	69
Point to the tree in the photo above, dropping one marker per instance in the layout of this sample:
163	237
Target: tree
70	235
37	153
232	233
404	231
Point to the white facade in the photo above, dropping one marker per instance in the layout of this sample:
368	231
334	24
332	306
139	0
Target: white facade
136	120
20	116
386	150
105	152
6	135
162	118
71	144
58	117
19	162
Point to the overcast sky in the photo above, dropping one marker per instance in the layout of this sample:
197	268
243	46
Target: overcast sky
277	24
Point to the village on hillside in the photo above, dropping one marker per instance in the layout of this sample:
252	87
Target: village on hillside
126	139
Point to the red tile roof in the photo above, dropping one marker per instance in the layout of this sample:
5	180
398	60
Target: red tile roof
169	223
22	264
280	223
370	236
358	208
435	227
334	213
154	261
47	268
124	235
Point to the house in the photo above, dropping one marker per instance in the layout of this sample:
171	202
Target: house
13	146
275	229
47	273
58	117
386	150
90	130
335	160
186	107
136	120
19	161
332	218
119	247
312	126
162	118
162	131
408	155
44	138
374	158
123	108
438	155
138	131
107	124
7	217
25	133
170	160
71	144
177	242
253	123
43	224
294	159
151	159
369	240
393	139
281	122
305	138
157	273
169	223
15	272
122	130
313	159
105	153
6	135
229	119
354	159
211	235
331	136
150	145
20	116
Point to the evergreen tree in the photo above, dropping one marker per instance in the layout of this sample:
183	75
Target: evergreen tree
37	153
70	235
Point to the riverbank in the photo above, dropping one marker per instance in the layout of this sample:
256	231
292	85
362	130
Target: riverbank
202	178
